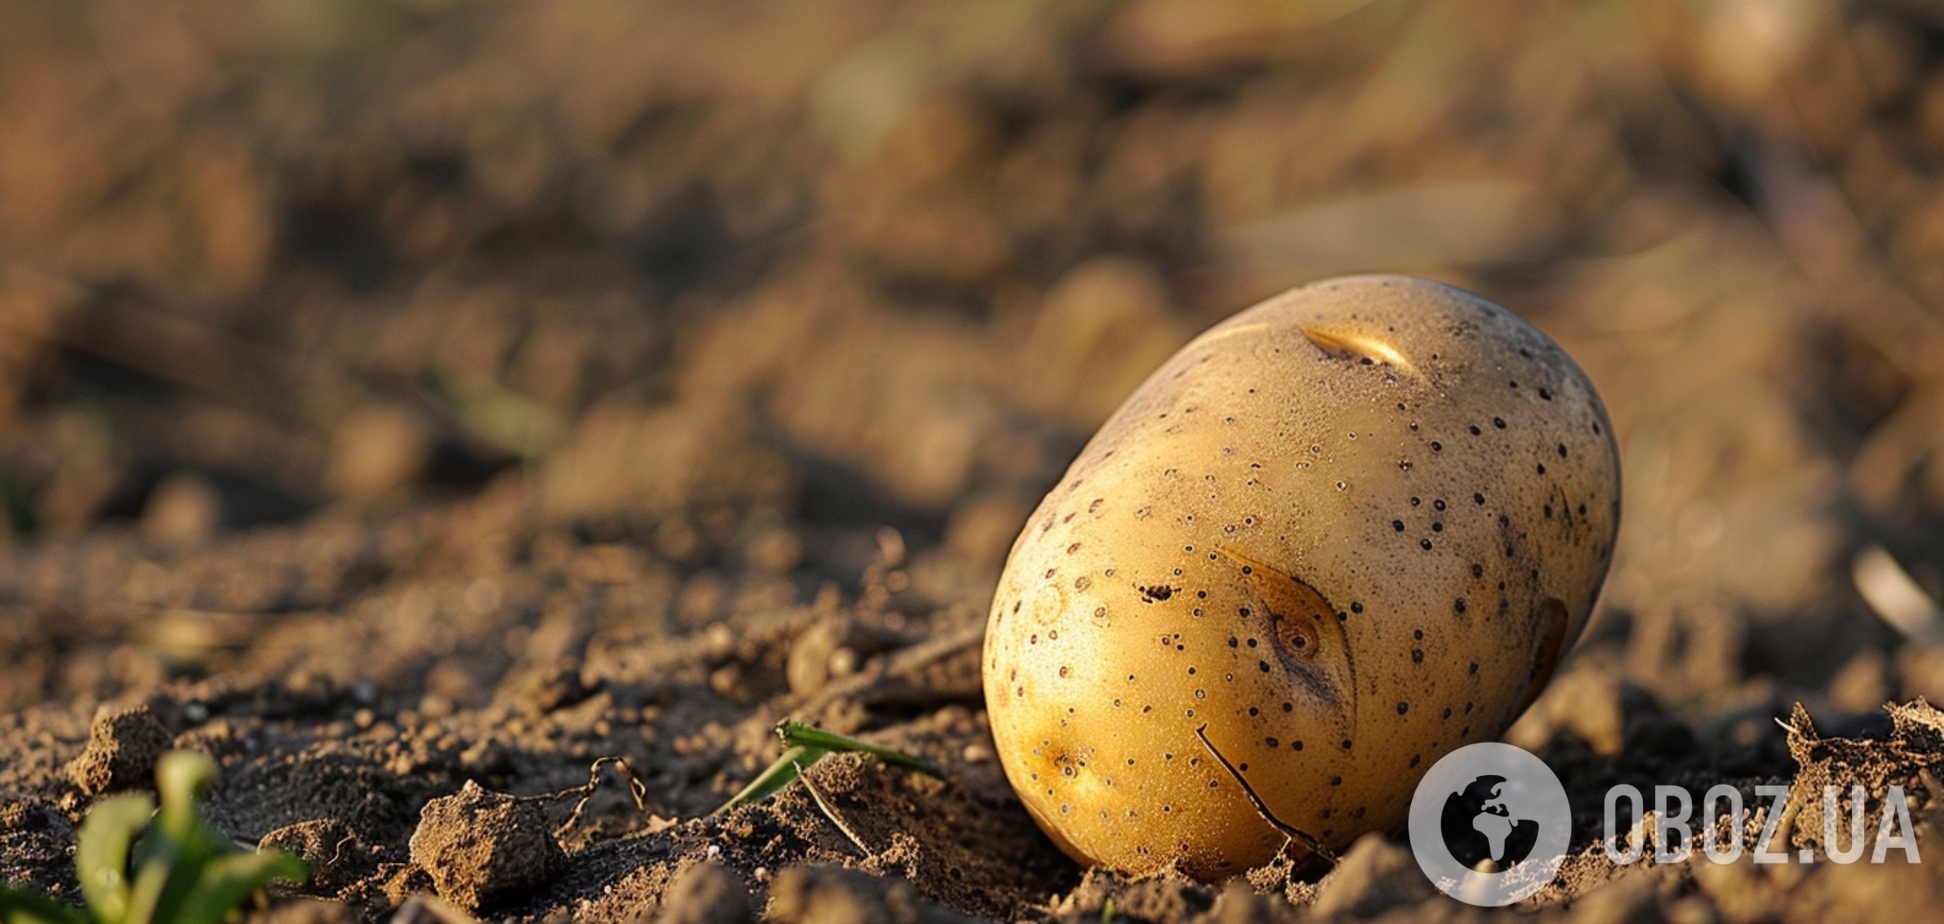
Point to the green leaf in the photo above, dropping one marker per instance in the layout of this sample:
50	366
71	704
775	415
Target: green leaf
805	745
145	895
228	881
775	777
183	778
797	734
20	906
101	853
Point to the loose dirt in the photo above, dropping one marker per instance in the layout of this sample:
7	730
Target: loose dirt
477	425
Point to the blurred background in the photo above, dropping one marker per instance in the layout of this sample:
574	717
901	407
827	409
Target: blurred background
418	343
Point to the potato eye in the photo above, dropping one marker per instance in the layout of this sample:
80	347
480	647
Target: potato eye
1297	634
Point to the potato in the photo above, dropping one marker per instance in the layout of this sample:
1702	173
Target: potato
1334	538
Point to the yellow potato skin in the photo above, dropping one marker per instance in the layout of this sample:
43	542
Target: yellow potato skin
1338	535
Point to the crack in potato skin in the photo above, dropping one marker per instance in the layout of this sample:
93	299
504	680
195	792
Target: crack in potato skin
1349	530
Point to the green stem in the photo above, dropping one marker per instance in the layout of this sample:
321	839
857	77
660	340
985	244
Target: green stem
797	734
777	776
804	745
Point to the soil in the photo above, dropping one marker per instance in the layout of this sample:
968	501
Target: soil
478	425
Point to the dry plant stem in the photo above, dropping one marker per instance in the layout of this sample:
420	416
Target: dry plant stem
1288	830
830	811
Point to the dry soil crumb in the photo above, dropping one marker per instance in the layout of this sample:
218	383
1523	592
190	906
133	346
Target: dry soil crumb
123	744
705	893
483	849
1907	758
336	855
824	895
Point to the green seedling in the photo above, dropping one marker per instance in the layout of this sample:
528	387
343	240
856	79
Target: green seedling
803	746
141	866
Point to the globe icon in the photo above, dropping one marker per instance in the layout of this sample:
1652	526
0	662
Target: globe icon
1490	824
1479	825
